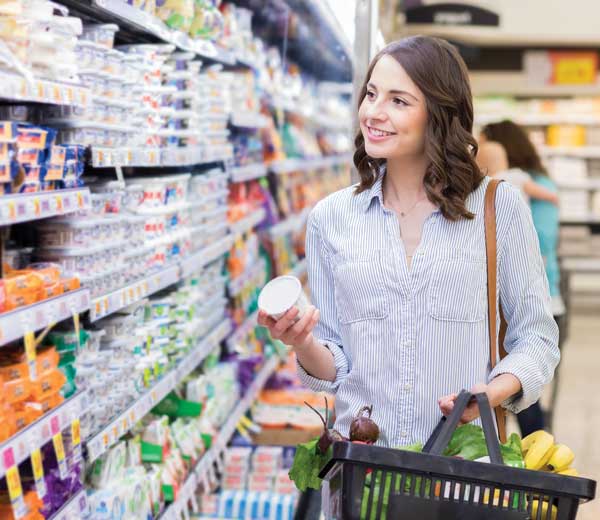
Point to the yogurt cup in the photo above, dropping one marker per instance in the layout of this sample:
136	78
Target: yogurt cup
280	295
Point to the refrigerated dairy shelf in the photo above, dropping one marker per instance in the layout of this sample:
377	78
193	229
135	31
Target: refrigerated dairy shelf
31	318
585	152
113	431
585	184
237	285
539	119
197	475
20	446
205	256
104	305
292	165
25	207
248	120
75	507
17	88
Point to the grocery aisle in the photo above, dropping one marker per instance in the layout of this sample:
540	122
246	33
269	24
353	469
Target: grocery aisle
577	415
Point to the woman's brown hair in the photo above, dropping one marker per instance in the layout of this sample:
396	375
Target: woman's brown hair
438	70
519	149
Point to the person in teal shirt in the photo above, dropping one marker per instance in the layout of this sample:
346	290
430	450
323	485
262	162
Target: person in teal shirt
521	153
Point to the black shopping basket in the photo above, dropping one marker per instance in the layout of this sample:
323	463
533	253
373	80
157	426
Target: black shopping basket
373	483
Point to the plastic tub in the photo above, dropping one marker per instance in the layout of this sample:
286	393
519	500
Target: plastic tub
102	34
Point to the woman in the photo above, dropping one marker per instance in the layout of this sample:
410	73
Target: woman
521	155
397	268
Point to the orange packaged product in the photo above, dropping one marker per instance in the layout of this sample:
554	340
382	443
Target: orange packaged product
8	425
46	359
32	413
12	371
47	384
70	284
17	390
49	291
22	288
22	418
47	272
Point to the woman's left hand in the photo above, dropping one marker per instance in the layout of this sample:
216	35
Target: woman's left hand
471	412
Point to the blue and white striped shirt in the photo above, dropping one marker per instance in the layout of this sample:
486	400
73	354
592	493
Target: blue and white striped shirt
402	338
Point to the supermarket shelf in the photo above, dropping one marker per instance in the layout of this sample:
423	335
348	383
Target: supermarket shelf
248	120
293	165
14	324
237	285
205	256
76	507
19	446
24	207
290	224
112	432
248	223
581	265
248	173
196	476
104	157
586	152
243	330
116	300
144	27
17	88
539	119
587	184
582	220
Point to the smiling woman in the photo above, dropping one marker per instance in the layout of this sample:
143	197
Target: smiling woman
409	108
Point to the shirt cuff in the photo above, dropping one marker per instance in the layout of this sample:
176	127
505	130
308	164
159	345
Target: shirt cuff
341	371
526	370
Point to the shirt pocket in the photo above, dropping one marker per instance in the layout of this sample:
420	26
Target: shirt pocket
359	287
458	290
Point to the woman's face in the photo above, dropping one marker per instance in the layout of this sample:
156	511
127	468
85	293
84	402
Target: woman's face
393	115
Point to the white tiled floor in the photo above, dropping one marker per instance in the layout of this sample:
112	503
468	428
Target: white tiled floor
577	412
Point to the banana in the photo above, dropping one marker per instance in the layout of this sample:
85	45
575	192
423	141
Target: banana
561	459
540	450
570	472
534	510
529	440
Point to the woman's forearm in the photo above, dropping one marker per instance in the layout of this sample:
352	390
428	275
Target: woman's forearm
317	360
502	387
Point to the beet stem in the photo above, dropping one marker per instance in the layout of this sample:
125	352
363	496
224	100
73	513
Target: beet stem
318	413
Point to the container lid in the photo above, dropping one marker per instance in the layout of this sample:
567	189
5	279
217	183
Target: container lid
279	295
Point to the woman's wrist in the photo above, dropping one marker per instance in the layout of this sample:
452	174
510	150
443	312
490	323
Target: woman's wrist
503	387
307	345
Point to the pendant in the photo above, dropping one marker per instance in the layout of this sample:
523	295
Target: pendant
402	214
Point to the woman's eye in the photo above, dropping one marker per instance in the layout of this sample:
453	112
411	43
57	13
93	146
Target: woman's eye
399	101
370	94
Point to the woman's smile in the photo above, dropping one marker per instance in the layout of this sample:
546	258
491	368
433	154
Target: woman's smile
377	135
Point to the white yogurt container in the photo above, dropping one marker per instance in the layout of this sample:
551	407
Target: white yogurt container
280	295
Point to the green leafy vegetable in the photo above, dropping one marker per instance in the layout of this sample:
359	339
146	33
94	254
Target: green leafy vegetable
308	462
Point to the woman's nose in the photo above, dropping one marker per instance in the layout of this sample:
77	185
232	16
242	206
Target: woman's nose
375	111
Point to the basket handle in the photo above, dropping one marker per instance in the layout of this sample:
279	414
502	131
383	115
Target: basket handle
439	439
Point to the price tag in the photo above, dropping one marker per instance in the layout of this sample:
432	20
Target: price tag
76	326
76	439
59	450
80	201
40	89
105	440
37	208
38	472
15	492
12	210
30	354
59	204
70	95
56	93
132	420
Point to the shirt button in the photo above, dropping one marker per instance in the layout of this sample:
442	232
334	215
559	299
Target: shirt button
407	386
404	434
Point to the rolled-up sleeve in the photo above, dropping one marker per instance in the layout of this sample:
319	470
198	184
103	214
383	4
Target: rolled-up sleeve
532	335
320	280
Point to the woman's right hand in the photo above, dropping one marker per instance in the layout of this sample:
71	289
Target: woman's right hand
297	334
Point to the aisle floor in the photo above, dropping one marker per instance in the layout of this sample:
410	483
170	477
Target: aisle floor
577	412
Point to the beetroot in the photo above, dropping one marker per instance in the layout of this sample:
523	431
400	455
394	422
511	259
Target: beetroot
328	437
364	429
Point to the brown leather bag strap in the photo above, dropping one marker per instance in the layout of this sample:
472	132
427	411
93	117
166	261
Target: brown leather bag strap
491	251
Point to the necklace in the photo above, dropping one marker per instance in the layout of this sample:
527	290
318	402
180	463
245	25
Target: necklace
406	212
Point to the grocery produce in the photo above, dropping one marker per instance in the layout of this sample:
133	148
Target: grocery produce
541	453
364	428
328	437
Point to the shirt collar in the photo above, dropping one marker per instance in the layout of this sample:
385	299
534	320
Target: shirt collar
376	191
